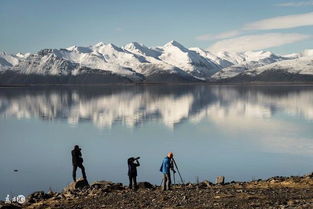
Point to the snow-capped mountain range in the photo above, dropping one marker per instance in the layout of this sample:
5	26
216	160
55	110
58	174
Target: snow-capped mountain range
134	62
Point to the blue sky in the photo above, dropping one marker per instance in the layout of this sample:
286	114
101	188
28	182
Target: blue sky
277	25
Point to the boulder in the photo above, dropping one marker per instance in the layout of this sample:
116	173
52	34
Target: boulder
220	180
77	185
117	186
101	184
205	184
145	185
38	196
107	185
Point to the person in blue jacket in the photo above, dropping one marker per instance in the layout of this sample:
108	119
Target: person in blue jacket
166	166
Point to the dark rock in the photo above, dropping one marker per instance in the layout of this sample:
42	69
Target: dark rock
101	184
106	186
145	185
205	184
79	184
117	186
38	196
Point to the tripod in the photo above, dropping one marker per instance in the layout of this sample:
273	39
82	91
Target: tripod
175	164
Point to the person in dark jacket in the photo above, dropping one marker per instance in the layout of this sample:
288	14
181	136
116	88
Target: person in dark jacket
77	161
133	163
166	166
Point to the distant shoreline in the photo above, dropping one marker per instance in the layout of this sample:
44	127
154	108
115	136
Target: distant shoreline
254	83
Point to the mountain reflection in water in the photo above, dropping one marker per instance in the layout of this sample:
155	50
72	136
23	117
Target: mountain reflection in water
171	105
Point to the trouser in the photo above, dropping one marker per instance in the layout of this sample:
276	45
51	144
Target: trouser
166	181
83	171
132	180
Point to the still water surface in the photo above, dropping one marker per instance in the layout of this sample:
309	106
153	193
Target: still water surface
242	133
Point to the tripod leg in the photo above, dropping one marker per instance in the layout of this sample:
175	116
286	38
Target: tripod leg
161	182
178	171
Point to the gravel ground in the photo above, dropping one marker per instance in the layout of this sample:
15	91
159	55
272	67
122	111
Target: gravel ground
276	192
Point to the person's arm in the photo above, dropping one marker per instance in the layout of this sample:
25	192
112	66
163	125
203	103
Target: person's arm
79	157
73	157
137	163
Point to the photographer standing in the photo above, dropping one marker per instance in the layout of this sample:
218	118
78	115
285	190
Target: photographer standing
77	161
167	165
133	163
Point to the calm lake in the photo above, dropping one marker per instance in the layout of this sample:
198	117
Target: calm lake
240	132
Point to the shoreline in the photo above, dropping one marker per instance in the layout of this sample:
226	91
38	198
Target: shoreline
254	83
275	192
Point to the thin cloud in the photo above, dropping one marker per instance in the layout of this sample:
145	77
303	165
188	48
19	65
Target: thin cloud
118	29
257	42
296	4
228	34
281	22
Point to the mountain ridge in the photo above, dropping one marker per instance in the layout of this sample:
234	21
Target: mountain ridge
136	62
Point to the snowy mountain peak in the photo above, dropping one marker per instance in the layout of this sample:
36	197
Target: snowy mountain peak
258	55
102	47
141	49
134	45
114	47
71	48
106	48
99	44
174	43
79	49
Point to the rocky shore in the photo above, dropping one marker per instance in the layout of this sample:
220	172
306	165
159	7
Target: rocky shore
275	192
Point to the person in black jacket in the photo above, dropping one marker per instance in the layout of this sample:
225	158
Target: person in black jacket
133	163
77	161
